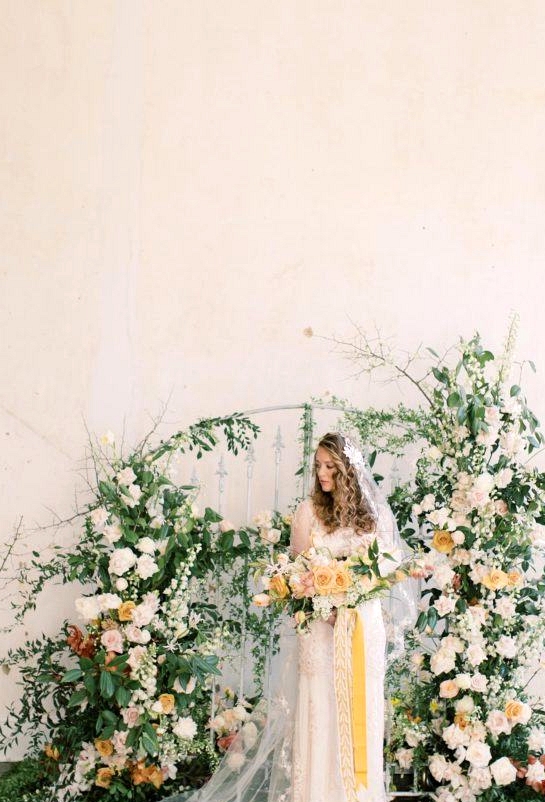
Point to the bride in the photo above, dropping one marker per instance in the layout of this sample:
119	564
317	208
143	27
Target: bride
319	736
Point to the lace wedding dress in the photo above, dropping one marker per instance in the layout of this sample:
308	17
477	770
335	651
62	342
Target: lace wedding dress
297	746
322	738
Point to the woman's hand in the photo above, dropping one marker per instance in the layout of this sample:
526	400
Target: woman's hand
332	618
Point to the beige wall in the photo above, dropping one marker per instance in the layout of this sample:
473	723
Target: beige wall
187	185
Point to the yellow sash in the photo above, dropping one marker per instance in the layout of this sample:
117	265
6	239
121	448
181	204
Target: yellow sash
350	695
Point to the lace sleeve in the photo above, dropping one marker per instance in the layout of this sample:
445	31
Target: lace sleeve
300	527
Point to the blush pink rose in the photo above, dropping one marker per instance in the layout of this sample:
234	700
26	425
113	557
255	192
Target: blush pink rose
112	640
304	586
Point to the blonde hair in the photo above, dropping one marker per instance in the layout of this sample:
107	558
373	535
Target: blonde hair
345	506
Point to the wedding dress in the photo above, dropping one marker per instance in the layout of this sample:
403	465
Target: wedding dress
297	746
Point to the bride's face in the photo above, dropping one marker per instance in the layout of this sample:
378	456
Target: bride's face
325	469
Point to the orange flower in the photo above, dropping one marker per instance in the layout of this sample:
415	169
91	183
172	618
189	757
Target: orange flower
324	579
514	579
495	579
51	751
442	541
154	775
139	773
124	611
343	580
461	720
82	646
104	748
278	587
167	702
104	777
513	708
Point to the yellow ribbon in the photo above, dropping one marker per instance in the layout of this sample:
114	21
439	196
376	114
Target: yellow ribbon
359	714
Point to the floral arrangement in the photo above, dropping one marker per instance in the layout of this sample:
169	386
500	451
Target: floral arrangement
461	709
313	583
127	689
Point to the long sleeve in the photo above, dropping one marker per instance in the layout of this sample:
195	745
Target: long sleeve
300	527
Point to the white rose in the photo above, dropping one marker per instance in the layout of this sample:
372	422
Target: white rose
99	516
475	654
479	683
479	779
535	773
442	661
465	705
88	607
142	615
453	736
438	765
428	502
112	533
458	537
505	607
503	771
185	728
506	646
126	476
146	545
463	681
121	561
453	642
478	754
146	566
121	583
108	601
497	722
512	443
444	605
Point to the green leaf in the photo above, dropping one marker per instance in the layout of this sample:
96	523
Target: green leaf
107	685
73	675
77	698
454	400
515	390
123	696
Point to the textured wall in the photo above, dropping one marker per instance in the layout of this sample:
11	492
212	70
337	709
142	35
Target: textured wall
187	185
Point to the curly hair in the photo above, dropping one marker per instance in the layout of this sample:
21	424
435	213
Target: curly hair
345	506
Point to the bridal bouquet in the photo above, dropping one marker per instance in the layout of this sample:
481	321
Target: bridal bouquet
312	584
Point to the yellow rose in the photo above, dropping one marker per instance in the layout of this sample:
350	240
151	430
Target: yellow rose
513	708
442	541
278	587
104	777
324	579
104	748
167	702
124	611
343	580
495	579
